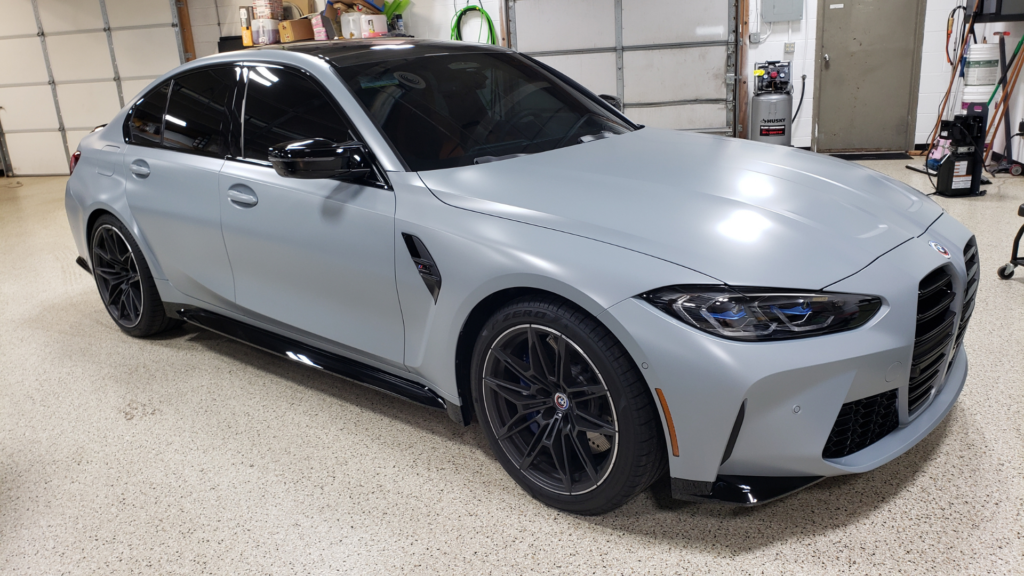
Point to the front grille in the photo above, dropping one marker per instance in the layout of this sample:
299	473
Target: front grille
936	323
972	262
861	423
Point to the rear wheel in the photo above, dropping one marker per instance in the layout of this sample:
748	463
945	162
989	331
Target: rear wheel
125	284
564	408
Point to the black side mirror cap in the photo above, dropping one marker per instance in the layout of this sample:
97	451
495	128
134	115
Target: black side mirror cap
319	158
614	101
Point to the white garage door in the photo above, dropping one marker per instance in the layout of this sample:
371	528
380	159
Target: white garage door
672	62
69	66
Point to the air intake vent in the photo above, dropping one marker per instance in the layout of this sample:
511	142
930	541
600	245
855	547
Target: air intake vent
936	322
424	264
972	262
861	423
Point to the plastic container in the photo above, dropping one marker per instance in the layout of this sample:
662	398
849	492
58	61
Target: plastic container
982	66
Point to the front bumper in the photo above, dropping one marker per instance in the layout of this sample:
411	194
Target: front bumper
792	391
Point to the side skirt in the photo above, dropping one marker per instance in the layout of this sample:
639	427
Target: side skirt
314	357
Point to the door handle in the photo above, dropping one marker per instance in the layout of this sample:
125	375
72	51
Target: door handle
139	168
242	196
826	57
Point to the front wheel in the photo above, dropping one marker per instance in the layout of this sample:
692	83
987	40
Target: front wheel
564	407
122	276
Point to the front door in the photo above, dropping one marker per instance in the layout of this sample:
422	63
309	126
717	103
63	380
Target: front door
180	133
316	257
867	74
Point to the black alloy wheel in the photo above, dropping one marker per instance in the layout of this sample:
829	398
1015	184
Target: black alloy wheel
117	276
549	409
565	409
124	281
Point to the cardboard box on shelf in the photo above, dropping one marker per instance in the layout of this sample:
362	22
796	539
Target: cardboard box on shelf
268	9
265	31
295	30
323	28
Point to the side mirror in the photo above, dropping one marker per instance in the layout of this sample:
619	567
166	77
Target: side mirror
613	100
319	158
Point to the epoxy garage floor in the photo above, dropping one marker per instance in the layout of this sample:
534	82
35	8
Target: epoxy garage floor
191	453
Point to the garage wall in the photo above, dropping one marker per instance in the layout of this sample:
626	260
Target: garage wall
934	69
423	19
55	88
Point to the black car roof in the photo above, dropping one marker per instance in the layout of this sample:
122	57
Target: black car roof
343	53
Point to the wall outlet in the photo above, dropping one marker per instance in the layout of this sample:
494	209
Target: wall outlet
755	38
790	47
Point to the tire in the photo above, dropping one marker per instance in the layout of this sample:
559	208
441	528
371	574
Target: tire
124	281
584	438
1006	271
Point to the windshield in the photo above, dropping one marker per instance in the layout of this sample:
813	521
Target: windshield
459	109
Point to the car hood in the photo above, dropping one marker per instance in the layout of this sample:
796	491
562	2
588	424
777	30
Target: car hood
744	213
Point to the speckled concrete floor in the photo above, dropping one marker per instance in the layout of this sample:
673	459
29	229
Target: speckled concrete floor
192	454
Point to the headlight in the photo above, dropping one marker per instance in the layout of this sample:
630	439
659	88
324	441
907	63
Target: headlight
759	314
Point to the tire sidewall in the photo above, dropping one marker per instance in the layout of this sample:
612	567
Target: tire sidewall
525	313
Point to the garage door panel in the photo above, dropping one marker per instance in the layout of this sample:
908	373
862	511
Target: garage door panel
132	89
28	67
669	21
138	12
64	16
79	57
17	18
564	24
75	138
657	75
27	108
145	53
690	117
87	105
594	71
36	153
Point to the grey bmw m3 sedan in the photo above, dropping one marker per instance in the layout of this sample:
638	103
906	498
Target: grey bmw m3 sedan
467	228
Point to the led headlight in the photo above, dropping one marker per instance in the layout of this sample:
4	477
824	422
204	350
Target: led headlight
759	314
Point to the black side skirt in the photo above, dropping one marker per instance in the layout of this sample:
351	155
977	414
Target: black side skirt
85	265
740	490
314	357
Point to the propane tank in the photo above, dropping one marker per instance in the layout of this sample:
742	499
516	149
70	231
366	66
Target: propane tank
771	108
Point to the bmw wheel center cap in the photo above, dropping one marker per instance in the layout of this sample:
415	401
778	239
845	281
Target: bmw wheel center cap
561	401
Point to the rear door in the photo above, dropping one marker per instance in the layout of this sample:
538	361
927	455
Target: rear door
314	256
179	135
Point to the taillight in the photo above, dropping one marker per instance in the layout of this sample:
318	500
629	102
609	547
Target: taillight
74	160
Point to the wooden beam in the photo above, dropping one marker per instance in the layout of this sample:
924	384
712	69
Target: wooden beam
741	62
185	26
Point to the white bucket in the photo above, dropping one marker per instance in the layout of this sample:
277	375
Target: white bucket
977	94
982	66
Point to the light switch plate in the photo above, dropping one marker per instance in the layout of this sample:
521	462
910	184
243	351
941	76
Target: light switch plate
790	47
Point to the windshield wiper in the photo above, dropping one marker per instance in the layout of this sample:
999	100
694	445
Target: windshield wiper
599	136
487	159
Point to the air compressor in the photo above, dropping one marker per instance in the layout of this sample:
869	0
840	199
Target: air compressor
771	108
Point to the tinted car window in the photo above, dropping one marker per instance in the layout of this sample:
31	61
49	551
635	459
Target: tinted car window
146	123
457	109
284	106
198	117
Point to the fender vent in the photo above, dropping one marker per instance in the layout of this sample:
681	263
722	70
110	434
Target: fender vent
424	264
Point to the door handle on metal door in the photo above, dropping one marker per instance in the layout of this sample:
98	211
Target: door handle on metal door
139	168
826	57
242	196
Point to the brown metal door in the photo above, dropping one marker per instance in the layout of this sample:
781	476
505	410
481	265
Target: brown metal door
867	74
